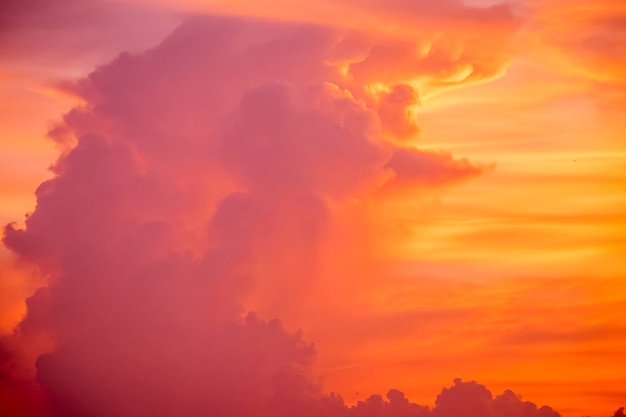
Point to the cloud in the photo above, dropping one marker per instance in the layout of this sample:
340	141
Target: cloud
396	405
242	371
194	174
473	400
413	166
462	399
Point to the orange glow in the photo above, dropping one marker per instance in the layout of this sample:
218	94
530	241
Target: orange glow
513	276
24	156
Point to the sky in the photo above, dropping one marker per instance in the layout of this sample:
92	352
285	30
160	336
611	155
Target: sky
339	208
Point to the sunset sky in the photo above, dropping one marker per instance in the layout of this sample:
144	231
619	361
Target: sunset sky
373	194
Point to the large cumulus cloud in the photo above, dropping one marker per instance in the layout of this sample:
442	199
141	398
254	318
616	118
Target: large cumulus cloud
193	175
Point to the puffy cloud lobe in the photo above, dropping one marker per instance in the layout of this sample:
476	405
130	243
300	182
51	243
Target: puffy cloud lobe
396	405
510	404
238	372
193	174
468	399
413	166
473	400
283	144
396	111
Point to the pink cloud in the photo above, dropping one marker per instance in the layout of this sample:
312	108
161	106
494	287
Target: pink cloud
195	173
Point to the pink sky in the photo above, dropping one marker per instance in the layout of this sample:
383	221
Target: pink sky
238	208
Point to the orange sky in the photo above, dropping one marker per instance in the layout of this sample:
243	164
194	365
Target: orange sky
514	278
